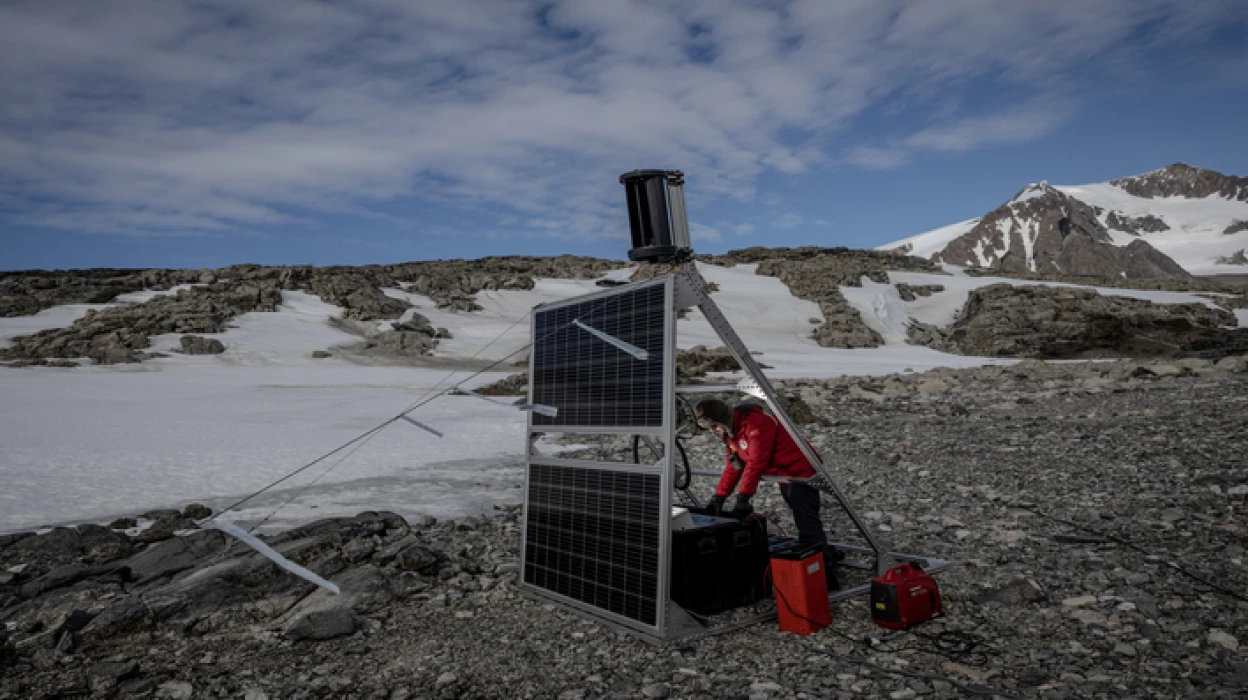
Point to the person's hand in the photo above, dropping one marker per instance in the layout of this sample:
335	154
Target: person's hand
741	507
715	506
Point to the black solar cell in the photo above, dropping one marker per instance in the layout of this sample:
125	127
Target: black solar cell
593	535
595	383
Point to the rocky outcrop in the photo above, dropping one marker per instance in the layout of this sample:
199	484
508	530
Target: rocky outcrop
1002	320
199	345
31	291
1183	180
1136	225
410	338
847	265
1236	226
120	334
1236	258
1045	230
910	292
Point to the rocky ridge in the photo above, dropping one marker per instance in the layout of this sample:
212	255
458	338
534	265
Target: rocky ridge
1044	229
121	334
1003	320
1183	180
1029	474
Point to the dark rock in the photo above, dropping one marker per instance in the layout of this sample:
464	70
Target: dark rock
177	554
165	528
910	292
196	511
123	524
124	615
14	537
161	514
1183	180
89	544
69	574
323	624
114	671
416	557
1236	226
1002	320
199	345
1136	225
321	354
513	385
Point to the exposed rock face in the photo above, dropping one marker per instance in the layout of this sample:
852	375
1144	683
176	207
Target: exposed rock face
910	292
848	265
1002	320
199	345
513	385
31	291
1183	180
1137	225
698	360
1236	258
120	334
1236	226
1043	229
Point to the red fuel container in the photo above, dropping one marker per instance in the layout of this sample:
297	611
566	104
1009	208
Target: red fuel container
801	591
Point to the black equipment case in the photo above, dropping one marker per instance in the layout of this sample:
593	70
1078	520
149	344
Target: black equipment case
719	565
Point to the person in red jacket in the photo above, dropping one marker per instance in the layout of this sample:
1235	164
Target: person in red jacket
758	445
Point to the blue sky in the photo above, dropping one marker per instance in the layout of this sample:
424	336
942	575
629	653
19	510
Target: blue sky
150	133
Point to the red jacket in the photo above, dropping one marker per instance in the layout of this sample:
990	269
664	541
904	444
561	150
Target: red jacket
766	449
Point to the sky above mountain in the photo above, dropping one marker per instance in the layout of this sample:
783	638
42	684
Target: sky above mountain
149	133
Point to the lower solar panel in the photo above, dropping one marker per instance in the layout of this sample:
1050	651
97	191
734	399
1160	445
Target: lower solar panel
593	536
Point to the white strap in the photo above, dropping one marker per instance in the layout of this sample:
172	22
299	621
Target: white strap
265	550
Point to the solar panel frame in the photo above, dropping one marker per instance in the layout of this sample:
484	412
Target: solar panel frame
552	381
652	626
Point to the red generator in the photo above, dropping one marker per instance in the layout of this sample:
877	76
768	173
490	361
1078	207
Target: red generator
905	596
801	590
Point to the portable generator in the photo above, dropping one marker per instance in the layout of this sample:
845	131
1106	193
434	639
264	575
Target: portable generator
904	596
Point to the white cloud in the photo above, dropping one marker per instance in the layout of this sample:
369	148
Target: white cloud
156	118
787	221
873	158
702	232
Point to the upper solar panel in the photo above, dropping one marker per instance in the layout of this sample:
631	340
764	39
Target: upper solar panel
600	361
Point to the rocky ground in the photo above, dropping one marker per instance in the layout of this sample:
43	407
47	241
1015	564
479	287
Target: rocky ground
1028	474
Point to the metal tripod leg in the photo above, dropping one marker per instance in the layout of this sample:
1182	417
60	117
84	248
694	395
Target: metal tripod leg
691	292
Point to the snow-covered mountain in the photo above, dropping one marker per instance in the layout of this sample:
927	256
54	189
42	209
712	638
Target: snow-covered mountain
1170	222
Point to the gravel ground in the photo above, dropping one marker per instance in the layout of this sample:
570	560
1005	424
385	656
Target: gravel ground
1026	474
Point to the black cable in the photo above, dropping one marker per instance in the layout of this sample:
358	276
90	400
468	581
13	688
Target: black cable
1136	547
678	484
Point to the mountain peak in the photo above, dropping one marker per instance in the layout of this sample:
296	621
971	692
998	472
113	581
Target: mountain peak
1183	180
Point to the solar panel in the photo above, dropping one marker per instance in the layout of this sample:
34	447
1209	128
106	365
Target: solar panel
595	533
612	382
593	536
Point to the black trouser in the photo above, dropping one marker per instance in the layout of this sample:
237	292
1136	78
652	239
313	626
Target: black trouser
803	500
